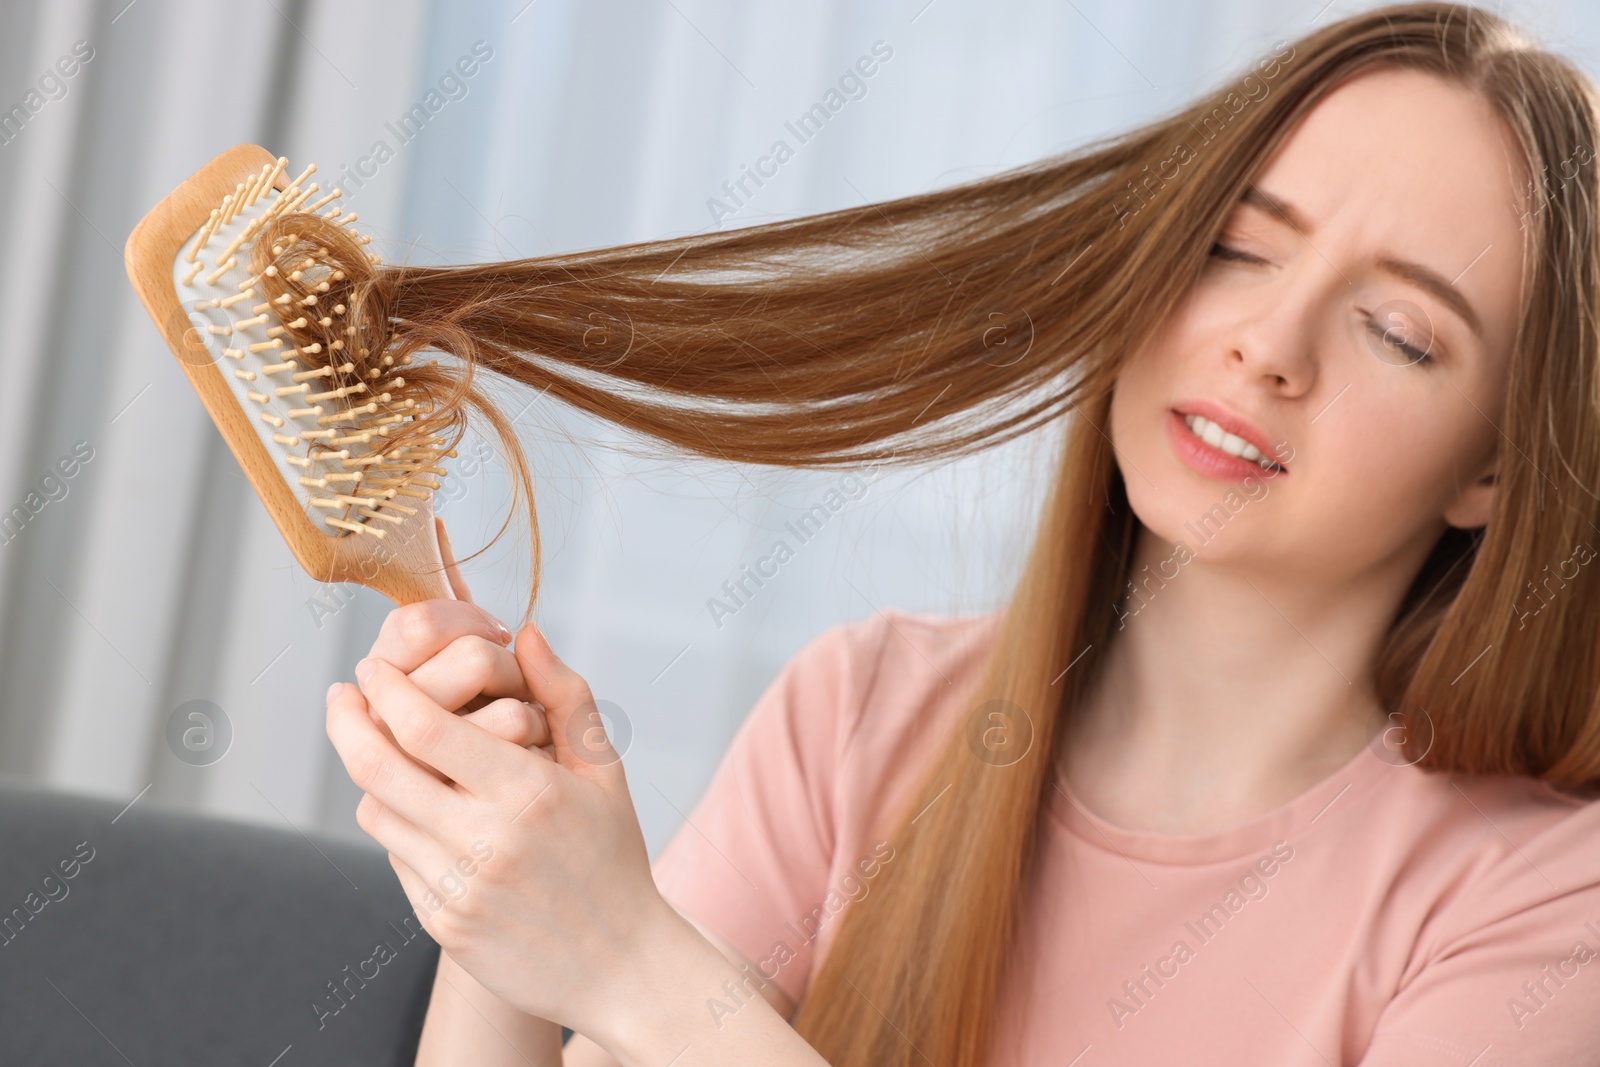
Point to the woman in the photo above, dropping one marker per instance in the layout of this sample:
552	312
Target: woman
1284	748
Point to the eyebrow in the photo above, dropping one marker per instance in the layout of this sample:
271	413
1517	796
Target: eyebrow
1422	277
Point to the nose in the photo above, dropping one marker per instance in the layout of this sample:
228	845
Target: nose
1272	337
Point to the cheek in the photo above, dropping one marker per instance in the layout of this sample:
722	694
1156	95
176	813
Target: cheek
1128	428
1146	385
1384	470
1161	493
1138	407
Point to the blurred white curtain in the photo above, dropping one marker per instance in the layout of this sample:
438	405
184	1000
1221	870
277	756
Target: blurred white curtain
152	577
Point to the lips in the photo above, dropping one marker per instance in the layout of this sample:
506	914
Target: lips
1231	423
1208	459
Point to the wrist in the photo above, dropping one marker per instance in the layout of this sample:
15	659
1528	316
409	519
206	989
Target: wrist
659	1005
467	992
467	1022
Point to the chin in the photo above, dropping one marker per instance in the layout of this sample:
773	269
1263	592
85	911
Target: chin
1180	508
1164	507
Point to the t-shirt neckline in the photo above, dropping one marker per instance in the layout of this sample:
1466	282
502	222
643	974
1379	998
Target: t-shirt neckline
1322	802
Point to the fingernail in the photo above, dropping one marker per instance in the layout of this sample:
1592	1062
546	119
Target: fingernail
364	670
332	689
505	634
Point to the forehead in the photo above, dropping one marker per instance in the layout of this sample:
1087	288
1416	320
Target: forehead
1403	162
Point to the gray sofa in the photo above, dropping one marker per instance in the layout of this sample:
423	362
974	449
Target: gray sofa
151	937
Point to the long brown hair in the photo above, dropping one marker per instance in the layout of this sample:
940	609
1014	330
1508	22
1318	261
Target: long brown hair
938	324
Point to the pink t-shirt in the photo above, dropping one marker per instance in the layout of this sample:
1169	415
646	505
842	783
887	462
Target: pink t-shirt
1388	917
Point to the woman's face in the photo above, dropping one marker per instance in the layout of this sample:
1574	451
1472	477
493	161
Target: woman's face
1401	230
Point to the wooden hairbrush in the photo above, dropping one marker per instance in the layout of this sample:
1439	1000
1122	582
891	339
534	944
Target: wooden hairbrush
248	274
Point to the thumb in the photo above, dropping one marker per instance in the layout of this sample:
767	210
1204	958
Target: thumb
577	733
458	584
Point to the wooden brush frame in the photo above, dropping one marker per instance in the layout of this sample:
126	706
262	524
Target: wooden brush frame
406	565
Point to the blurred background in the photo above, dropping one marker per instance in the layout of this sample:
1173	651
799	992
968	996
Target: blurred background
149	585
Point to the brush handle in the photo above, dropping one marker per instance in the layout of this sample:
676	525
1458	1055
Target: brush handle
410	588
407	566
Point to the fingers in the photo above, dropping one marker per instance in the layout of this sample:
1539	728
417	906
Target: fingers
400	836
411	883
577	735
425	896
413	634
458	584
473	758
512	720
509	719
377	766
468	667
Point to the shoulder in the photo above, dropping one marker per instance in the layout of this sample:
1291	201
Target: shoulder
1501	875
899	662
1507	856
1491	820
1534	839
924	643
909	674
886	668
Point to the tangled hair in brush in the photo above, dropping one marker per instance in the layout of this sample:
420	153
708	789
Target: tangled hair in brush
368	342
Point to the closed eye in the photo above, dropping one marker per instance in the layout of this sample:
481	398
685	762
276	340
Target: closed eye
1386	335
1222	251
1390	337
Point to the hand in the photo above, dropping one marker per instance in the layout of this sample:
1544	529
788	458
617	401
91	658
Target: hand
556	904
455	652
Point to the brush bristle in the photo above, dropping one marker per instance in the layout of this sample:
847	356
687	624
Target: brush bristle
261	282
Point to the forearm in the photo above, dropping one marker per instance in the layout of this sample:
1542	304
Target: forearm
671	1012
466	1023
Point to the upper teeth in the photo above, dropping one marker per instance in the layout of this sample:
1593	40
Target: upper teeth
1217	437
